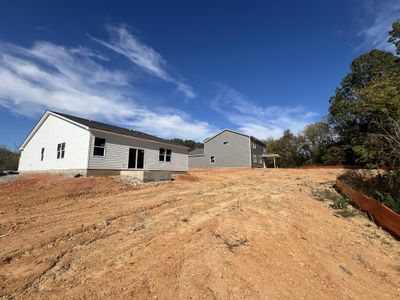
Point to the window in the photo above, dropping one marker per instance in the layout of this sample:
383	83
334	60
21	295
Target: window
164	155
60	150
254	145
99	146
260	159
161	154
168	156
254	158
264	149
226	143
212	159
42	155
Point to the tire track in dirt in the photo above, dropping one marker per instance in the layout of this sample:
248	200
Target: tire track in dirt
212	233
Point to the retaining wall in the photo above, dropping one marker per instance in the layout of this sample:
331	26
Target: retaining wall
382	215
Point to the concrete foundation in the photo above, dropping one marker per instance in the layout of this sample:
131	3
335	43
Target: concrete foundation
147	176
102	172
138	175
69	172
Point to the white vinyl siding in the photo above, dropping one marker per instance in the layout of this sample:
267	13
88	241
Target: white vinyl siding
117	153
52	132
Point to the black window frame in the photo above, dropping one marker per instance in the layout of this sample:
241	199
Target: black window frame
99	146
168	155
60	150
42	154
212	159
161	154
164	155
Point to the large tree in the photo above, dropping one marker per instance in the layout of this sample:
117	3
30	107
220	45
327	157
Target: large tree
8	159
366	96
290	148
394	36
320	145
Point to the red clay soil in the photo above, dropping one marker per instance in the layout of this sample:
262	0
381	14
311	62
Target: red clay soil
212	234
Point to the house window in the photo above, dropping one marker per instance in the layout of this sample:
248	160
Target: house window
161	154
254	145
164	155
99	146
42	155
254	158
212	159
226	143
260	160
168	156
60	150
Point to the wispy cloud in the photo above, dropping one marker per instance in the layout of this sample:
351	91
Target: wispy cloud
260	121
380	14
75	80
124	42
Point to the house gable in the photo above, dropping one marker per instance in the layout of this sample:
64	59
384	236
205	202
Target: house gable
55	144
41	122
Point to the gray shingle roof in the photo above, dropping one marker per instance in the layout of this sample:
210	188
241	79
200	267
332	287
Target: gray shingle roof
115	129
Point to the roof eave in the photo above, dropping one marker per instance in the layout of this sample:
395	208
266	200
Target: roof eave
138	138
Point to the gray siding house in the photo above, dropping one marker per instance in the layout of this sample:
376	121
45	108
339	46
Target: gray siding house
67	144
229	149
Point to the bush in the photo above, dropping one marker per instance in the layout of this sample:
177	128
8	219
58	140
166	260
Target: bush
8	159
384	187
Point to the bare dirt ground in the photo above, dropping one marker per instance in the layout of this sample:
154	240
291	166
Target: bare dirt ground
212	234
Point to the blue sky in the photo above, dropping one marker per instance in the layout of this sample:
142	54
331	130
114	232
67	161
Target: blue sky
181	69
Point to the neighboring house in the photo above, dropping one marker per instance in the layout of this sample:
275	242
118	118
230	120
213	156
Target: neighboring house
229	149
67	144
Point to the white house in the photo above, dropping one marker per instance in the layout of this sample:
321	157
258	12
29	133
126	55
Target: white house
67	144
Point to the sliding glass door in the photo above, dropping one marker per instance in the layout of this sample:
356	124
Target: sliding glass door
136	158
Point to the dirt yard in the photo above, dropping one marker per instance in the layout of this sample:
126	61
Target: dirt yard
220	234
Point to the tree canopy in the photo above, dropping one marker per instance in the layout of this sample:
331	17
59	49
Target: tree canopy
188	143
8	159
366	97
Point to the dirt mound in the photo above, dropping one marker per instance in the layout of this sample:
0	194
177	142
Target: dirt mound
210	234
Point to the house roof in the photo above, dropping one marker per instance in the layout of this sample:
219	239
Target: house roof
197	151
91	124
237	132
271	155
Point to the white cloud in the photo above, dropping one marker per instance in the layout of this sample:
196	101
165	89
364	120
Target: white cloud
123	42
73	80
379	18
259	121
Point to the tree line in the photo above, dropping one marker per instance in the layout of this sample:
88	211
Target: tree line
8	159
362	125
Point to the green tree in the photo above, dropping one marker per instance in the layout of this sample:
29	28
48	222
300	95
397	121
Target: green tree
291	149
188	143
368	94
320	145
394	36
8	159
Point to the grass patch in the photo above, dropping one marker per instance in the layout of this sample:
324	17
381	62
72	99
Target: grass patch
339	203
384	187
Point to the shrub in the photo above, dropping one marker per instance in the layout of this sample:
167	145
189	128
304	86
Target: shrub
384	187
8	159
